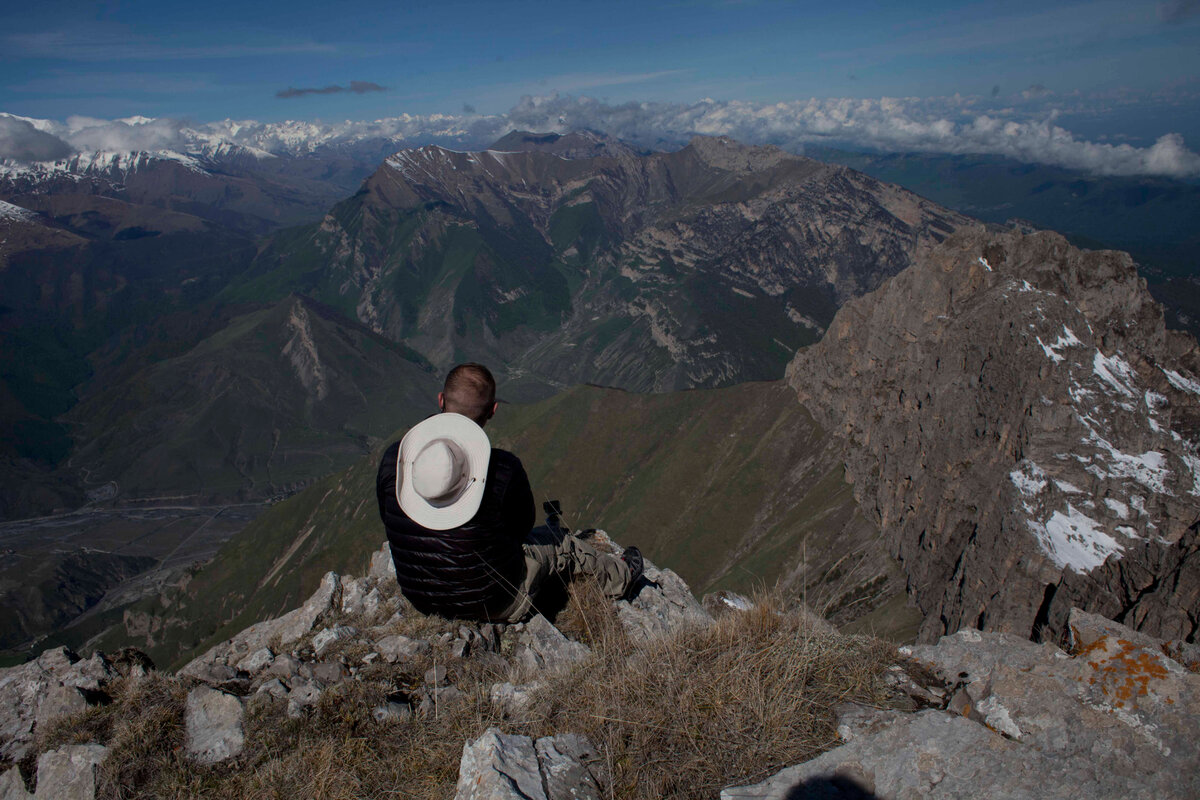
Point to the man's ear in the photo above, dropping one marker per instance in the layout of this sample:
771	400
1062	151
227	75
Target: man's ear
441	401
495	406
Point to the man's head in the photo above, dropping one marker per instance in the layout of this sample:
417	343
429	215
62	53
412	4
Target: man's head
470	390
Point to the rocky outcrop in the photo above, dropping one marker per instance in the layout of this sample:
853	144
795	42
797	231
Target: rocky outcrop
55	684
1023	428
1116	717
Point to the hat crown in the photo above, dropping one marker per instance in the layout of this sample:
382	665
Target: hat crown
439	469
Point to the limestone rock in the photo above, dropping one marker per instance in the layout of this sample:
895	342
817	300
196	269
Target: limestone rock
969	655
354	594
214	725
294	624
564	761
327	637
855	720
286	629
33	694
542	647
402	648
382	567
499	766
663	604
927	755
69	773
12	787
330	673
257	661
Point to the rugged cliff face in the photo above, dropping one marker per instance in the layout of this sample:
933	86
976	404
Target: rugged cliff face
1024	429
578	260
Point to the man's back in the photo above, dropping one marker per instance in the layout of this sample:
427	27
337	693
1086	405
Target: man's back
471	571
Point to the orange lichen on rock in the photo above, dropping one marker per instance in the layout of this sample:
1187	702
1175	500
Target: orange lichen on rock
1124	669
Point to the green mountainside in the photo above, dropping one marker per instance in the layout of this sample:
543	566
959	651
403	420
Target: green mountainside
275	398
733	488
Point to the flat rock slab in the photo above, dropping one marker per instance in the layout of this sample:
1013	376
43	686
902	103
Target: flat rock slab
932	754
69	773
214	725
499	766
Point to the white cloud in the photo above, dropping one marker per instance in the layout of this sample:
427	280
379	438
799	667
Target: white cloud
22	140
955	124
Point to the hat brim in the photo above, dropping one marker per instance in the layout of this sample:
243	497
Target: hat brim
478	451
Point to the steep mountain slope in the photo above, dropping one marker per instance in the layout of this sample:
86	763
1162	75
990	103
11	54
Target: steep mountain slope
748	492
703	267
272	400
1023	429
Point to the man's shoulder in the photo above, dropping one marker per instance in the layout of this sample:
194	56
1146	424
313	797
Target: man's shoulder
388	459
504	455
504	462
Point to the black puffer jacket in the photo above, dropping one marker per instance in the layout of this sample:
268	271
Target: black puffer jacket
470	572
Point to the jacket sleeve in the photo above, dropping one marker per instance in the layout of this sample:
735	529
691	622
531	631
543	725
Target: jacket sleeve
385	480
518	502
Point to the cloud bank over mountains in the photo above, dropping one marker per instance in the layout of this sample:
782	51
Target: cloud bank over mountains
951	125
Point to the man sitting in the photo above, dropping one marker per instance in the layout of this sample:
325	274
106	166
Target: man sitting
459	516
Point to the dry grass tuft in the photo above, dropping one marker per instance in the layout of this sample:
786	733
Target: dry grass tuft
589	616
710	707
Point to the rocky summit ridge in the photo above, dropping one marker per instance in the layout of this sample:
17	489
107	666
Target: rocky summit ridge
974	715
1024	429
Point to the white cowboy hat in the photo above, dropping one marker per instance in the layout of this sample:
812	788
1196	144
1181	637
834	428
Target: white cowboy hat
441	471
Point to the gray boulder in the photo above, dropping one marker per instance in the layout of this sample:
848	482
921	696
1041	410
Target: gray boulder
214	725
69	773
382	568
327	637
541	647
12	787
401	648
257	661
499	766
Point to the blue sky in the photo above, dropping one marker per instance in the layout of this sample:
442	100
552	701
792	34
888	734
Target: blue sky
1108	70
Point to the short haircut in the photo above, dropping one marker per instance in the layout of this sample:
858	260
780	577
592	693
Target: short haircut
470	390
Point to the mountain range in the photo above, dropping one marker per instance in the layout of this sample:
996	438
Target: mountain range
988	424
